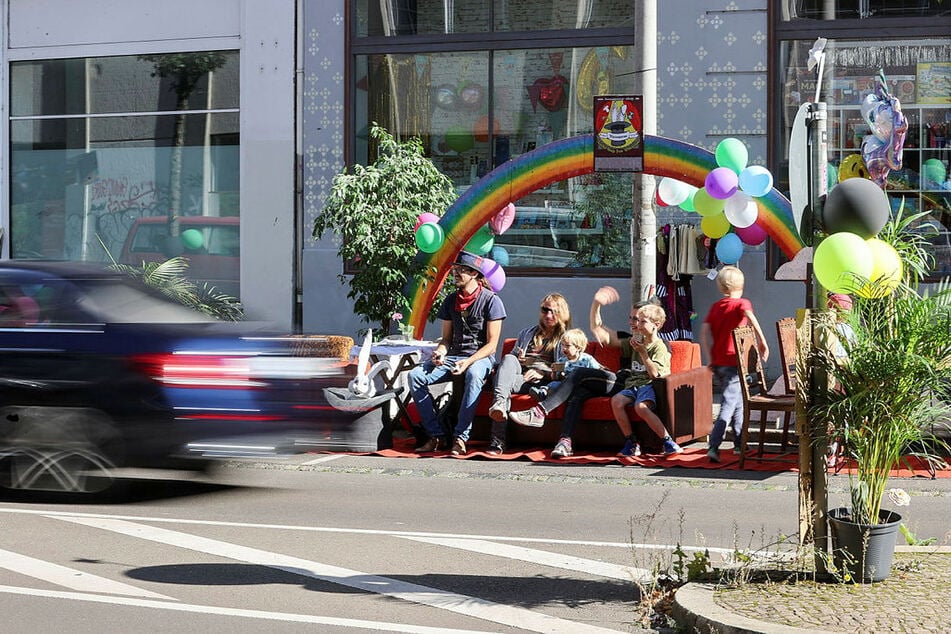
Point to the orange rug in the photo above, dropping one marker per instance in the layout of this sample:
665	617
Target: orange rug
691	458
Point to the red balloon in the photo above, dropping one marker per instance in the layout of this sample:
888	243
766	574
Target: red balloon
752	235
660	203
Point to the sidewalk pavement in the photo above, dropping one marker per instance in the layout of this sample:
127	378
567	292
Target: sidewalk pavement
914	598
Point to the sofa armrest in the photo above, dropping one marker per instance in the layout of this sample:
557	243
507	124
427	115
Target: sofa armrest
685	403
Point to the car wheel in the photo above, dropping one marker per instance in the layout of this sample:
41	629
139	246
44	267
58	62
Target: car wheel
59	449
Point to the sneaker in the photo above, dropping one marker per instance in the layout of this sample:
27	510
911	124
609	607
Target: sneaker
498	411
630	449
671	447
539	392
713	454
458	447
430	445
496	446
562	449
534	417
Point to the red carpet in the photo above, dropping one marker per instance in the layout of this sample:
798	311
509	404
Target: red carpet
691	458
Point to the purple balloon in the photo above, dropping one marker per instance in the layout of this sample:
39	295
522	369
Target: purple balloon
752	235
721	183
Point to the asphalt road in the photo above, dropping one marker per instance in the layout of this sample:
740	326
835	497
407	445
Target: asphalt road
359	544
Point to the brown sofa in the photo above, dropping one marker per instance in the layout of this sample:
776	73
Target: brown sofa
685	404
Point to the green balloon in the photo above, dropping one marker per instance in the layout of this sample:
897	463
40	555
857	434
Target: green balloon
842	262
482	242
832	176
707	205
429	237
732	153
459	139
715	226
934	171
687	204
192	239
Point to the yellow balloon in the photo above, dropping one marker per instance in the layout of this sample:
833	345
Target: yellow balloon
886	269
852	166
715	226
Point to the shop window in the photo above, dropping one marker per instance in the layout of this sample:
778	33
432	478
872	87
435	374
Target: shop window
474	111
918	72
862	9
99	143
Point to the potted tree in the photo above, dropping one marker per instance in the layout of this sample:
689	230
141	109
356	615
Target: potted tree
884	402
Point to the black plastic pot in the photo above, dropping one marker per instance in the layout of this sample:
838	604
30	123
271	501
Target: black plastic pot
865	551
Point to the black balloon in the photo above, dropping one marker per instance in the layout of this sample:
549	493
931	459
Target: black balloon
856	205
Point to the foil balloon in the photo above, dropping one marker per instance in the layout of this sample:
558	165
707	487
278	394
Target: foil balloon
502	220
882	150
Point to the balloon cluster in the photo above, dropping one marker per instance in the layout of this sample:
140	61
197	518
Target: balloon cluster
726	200
430	237
851	259
882	149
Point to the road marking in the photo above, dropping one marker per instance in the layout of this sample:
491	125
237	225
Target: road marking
367	531
542	557
424	595
322	459
70	577
237	612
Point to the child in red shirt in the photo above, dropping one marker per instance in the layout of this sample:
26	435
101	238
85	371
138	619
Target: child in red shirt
716	340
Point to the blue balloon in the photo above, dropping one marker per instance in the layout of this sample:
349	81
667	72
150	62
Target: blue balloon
500	255
729	248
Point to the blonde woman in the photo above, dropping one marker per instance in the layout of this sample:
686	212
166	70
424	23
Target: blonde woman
530	362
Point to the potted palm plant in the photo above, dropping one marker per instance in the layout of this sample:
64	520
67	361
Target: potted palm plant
884	402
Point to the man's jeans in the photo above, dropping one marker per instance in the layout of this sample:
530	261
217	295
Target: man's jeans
422	376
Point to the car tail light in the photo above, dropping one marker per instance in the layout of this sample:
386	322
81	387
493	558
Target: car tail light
199	370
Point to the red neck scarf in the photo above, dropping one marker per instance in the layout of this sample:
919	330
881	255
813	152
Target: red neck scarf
463	301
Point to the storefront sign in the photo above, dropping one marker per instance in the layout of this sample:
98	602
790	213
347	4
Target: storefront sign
619	134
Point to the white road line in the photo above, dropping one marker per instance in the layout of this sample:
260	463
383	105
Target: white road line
433	597
542	557
367	531
237	612
328	458
70	577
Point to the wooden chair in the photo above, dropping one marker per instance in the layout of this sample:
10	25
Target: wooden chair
786	334
754	388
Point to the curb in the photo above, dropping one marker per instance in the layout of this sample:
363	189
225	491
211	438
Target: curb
694	610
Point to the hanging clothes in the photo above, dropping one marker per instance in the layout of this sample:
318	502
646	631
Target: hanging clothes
675	295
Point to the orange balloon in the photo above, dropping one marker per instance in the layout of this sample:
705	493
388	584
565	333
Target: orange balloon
481	129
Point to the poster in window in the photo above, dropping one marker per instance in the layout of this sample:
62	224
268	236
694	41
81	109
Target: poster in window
619	133
934	82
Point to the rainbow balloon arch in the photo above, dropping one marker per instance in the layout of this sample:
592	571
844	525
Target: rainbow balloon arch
557	161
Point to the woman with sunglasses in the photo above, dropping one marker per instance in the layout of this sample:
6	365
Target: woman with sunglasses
529	364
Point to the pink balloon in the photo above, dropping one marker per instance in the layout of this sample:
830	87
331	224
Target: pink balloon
721	183
752	235
501	221
425	217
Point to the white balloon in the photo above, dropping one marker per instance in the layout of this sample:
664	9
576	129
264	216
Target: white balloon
672	191
741	210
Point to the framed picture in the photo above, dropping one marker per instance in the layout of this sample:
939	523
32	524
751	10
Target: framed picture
934	82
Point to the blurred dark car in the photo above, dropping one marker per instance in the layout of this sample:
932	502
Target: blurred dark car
98	371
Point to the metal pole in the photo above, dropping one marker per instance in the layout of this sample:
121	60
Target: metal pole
644	221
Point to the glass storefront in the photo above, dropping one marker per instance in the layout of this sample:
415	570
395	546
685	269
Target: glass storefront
476	109
422	17
918	72
104	151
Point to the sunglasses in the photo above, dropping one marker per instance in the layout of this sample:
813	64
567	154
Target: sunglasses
546	310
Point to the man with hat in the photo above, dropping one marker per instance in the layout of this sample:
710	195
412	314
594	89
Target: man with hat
471	329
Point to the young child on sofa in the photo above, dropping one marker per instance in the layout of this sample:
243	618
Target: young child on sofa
573	345
716	341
